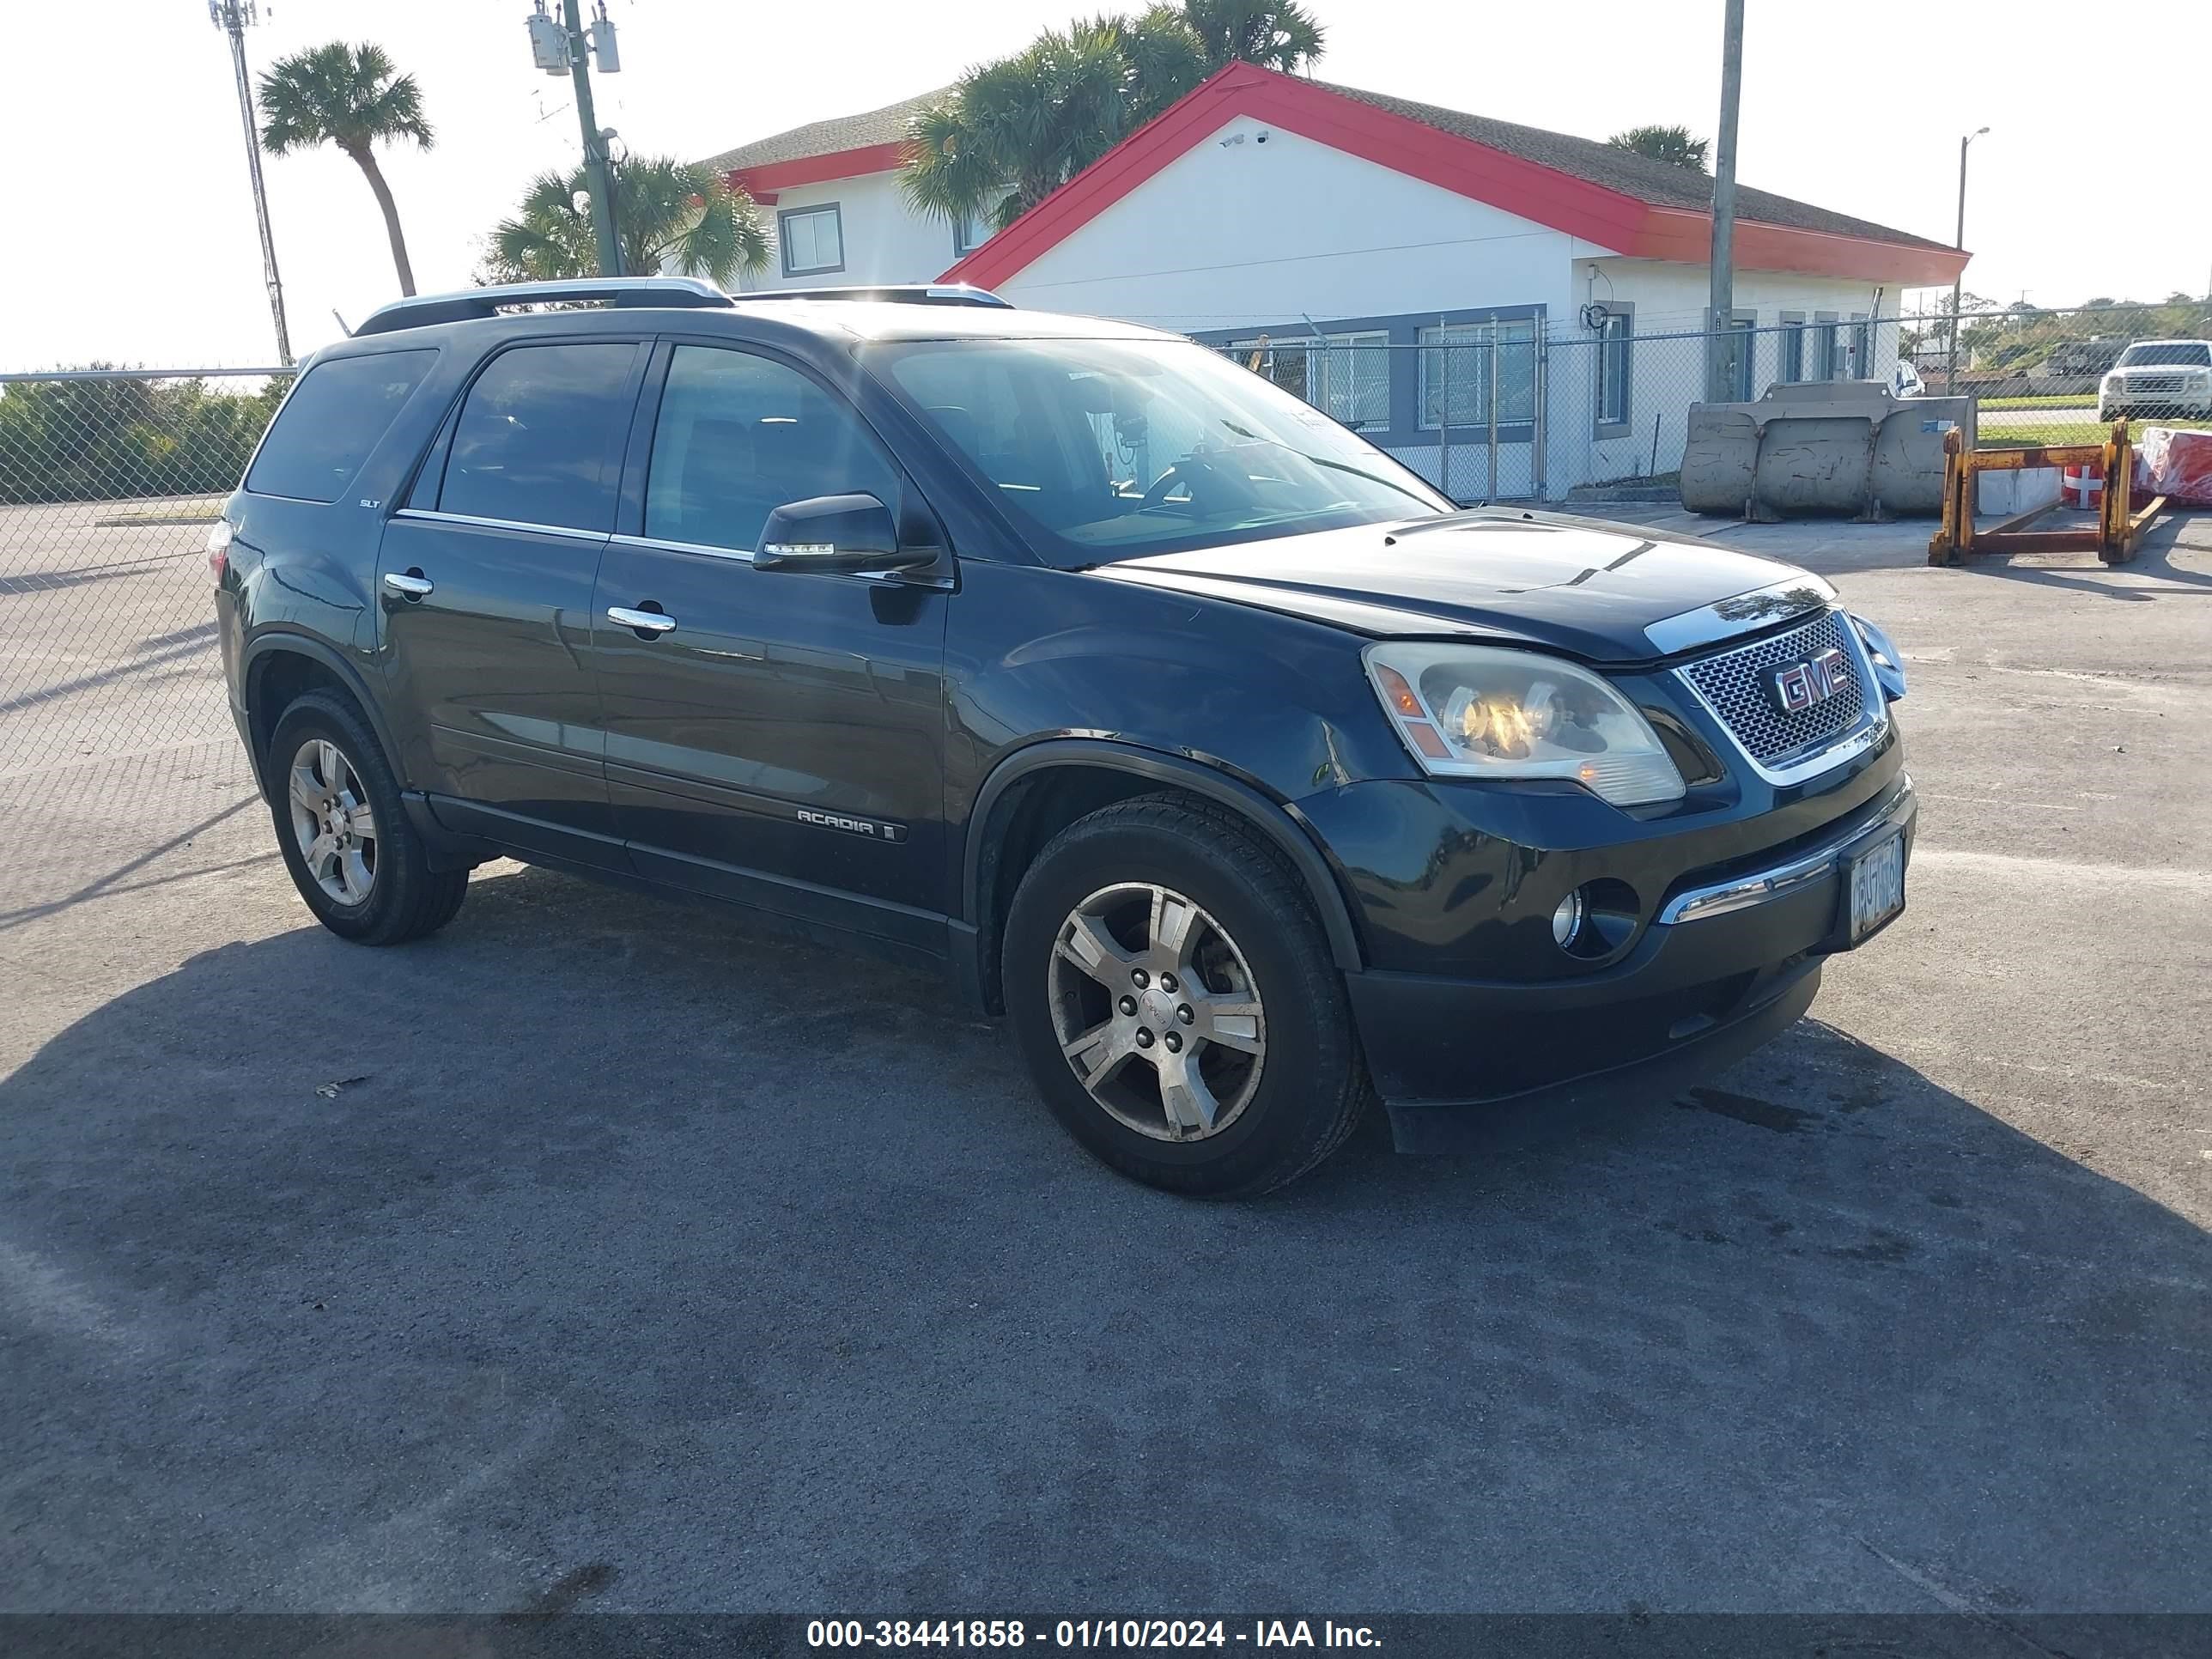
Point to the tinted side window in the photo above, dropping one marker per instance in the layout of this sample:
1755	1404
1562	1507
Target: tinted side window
739	436
539	440
333	418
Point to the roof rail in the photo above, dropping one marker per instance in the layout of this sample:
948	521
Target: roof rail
902	294
681	291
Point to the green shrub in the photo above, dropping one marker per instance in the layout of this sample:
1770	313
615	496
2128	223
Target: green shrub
104	441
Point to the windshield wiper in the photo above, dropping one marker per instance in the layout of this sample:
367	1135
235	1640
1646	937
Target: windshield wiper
1334	466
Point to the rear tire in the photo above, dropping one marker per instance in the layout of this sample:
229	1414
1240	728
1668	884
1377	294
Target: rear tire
352	850
1174	998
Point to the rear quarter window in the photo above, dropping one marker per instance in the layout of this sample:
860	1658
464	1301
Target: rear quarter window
339	411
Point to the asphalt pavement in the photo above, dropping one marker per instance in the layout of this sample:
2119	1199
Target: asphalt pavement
604	1248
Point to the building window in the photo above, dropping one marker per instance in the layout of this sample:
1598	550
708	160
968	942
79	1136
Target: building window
1826	356
970	231
1615	336
1861	366
1792	342
1457	362
812	240
1347	375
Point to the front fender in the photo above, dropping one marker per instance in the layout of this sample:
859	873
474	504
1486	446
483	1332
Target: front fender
1277	820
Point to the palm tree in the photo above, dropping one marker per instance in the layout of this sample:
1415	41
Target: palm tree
346	96
1673	145
666	213
1012	131
1276	36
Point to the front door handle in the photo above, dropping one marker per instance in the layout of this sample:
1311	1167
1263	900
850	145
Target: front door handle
413	584
646	622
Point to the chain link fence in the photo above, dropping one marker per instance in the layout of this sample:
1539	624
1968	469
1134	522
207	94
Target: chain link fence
109	479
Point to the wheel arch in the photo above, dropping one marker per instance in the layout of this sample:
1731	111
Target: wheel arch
1032	793
276	666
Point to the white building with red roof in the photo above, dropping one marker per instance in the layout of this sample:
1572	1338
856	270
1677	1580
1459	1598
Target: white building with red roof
1329	234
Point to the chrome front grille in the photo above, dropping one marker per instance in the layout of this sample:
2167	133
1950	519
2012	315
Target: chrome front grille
1730	684
2151	385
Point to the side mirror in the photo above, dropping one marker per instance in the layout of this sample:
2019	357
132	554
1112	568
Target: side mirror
835	532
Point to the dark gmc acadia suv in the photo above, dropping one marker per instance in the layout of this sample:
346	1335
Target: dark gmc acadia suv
1194	734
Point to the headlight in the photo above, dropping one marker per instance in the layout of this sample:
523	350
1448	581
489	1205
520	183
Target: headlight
1473	711
1888	661
2111	383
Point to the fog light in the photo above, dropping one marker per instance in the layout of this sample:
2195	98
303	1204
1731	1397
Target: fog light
1567	919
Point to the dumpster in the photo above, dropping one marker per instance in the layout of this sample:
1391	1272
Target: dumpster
1820	447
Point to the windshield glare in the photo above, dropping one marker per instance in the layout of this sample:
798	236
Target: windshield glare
1113	449
2192	354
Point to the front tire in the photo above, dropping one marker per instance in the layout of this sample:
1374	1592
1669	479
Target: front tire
1174	998
345	833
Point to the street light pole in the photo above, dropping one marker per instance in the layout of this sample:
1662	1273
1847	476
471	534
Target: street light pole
595	146
1957	282
232	16
1723	341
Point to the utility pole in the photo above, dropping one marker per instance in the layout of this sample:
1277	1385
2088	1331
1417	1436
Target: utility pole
1958	283
595	147
565	48
232	17
1725	340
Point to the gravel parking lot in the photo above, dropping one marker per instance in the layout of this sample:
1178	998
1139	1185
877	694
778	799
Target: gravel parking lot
601	1243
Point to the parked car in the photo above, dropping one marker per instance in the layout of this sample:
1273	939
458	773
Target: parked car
2172	378
1210	745
2079	360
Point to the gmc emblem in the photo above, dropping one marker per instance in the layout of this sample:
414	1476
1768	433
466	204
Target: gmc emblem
1796	686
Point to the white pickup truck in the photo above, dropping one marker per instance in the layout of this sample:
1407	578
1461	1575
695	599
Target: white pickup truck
2158	376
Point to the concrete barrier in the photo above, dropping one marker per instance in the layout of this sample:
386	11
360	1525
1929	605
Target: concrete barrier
1834	446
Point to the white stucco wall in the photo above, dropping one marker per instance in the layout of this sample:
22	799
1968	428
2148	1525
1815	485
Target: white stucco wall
1668	374
885	240
1236	232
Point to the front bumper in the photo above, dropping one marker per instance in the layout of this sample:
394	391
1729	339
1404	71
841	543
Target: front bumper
2188	400
1728	961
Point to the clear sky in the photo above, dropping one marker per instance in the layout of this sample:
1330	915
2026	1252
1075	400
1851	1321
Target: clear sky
130	235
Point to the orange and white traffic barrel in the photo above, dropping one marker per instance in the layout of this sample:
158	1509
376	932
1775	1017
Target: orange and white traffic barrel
2083	486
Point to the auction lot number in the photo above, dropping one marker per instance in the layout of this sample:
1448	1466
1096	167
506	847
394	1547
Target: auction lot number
1014	1634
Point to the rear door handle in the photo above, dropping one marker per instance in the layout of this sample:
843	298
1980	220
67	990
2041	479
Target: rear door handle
646	622
410	586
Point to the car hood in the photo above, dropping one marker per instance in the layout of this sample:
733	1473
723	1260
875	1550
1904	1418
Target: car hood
1605	592
2160	368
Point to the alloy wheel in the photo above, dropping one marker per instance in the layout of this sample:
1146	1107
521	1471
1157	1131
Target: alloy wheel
1157	1012
333	823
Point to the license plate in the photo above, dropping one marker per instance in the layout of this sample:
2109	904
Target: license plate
1877	886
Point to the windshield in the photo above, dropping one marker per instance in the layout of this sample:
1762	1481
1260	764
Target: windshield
1113	449
2193	354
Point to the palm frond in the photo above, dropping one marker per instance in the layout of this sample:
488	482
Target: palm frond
668	214
340	94
1015	130
1277	34
952	169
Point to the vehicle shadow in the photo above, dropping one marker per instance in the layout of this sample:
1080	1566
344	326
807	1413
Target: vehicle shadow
600	1233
